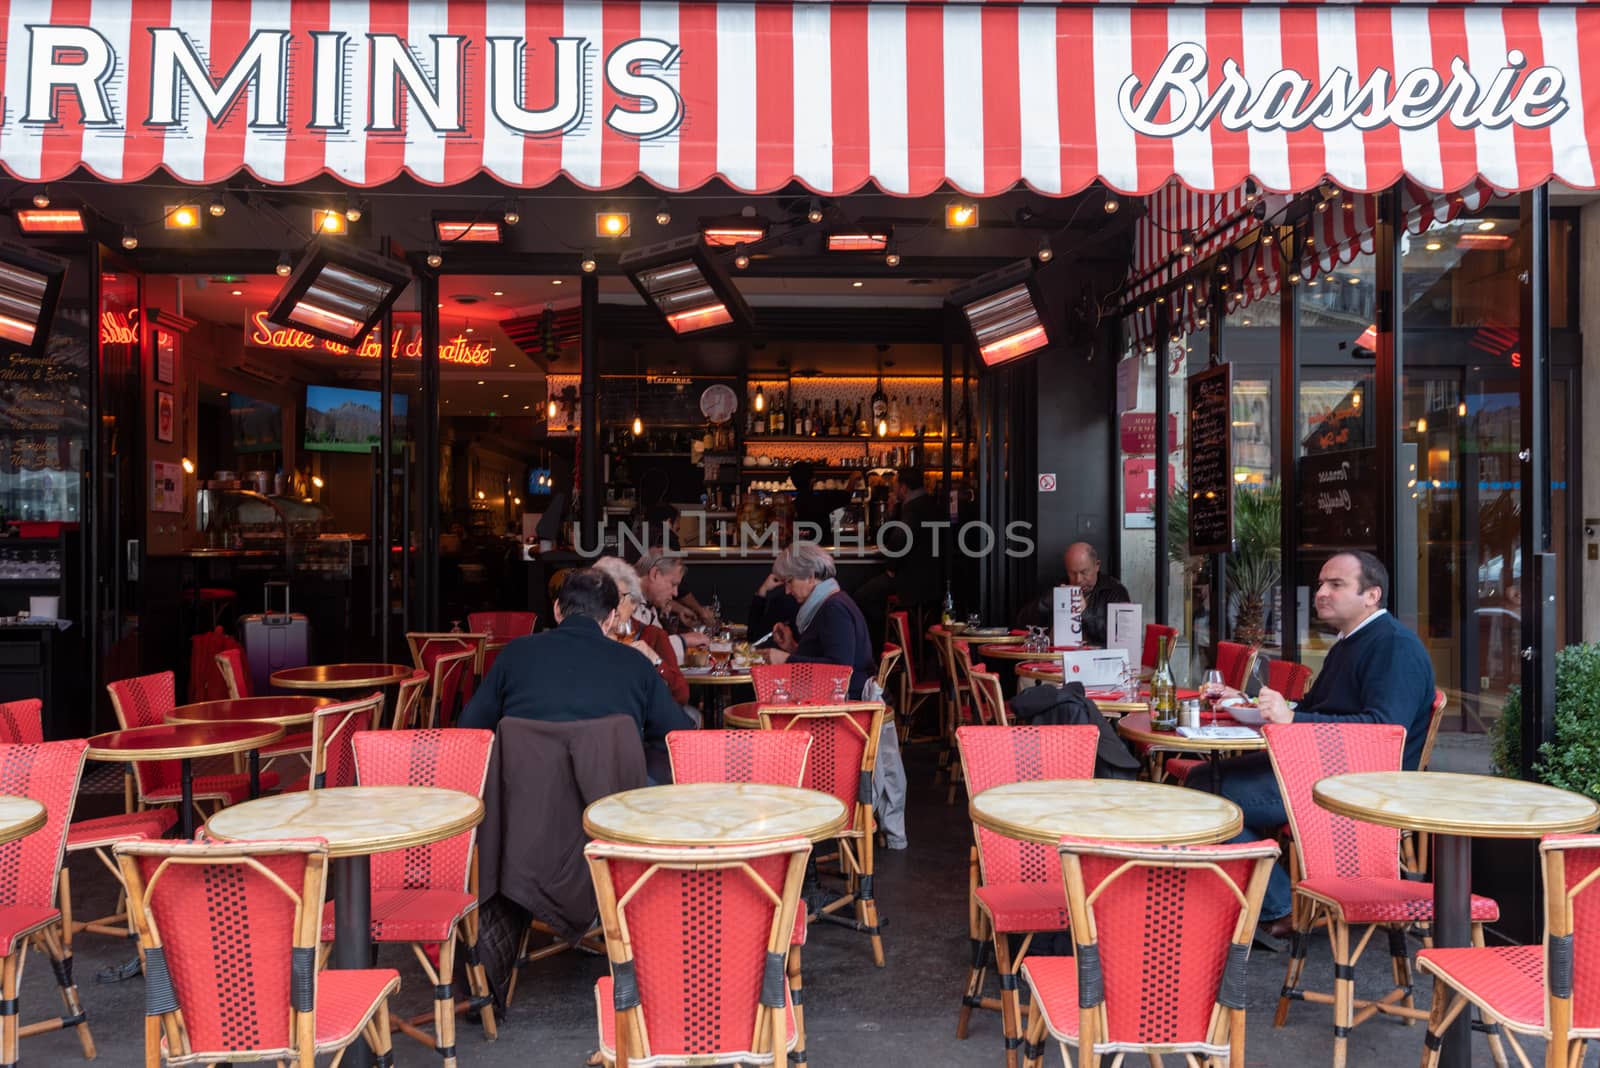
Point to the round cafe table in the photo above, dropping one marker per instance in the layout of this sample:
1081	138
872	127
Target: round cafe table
938	633
290	711
1455	809
1115	810
745	715
185	743
717	699
340	676
356	822
1017	651
715	813
1135	727
19	817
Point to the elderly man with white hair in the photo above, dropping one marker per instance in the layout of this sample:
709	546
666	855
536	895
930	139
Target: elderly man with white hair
830	629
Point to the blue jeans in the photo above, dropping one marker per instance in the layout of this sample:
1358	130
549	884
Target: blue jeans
1249	783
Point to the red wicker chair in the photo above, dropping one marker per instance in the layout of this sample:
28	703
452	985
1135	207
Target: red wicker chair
1288	678
1532	990
427	895
1234	660
333	731
990	700
844	752
915	687
500	628
1348	871
696	939
1014	887
408	700
738	756
1135	986
229	934
805	684
450	682
1153	633
235	672
888	663
144	701
22	721
48	773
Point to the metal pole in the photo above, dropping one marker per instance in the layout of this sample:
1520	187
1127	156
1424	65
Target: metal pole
1387	411
428	443
1163	327
1452	928
1288	467
1538	587
385	469
947	356
589	488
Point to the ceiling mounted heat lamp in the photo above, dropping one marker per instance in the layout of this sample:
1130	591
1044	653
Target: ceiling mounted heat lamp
734	230
858	240
476	231
1003	309
50	220
30	287
339	293
686	284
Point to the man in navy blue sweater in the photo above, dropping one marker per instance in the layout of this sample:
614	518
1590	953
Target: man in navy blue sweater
1377	672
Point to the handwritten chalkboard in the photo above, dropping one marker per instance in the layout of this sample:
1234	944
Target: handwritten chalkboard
1339	499
1210	396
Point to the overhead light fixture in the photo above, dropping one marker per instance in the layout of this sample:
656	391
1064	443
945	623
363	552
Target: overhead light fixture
353	210
339	293
587	265
761	399
130	240
734	230
814	212
50	220
552	409
316	480
638	425
285	266
188	465
858	241
612	224
1472	241
960	215
891	258
435	259
741	258
41	199
1434	246
217	206
182	217
328	221
1486	225
1112	204
30	287
1045	253
1461	409
685	284
458	230
1002	309
512	214
663	213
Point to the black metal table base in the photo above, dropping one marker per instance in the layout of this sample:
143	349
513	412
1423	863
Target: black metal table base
352	931
1452	928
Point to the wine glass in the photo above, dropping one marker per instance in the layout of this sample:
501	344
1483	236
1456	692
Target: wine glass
780	692
841	690
1212	692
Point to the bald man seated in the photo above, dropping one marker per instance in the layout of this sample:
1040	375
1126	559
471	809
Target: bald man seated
1099	590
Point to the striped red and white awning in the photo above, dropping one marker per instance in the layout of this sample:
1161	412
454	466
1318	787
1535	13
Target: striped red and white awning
835	96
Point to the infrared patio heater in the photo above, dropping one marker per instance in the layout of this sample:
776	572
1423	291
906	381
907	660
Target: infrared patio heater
1004	310
686	284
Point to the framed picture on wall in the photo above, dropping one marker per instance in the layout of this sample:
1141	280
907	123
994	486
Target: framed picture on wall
166	357
164	416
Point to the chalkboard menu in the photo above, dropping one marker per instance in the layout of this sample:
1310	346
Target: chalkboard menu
1210	395
1339	499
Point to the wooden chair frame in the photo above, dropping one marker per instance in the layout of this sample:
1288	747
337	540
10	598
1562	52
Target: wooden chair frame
441	668
910	700
407	699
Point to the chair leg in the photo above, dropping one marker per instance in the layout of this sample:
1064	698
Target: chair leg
477	977
865	902
1303	918
444	1004
1447	1005
9	967
978	942
1033	1047
1010	1004
1497	1045
1400	957
1343	990
796	992
377	1032
61	963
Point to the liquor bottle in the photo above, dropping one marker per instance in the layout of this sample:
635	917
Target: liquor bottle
947	615
814	428
894	417
836	427
775	424
760	427
1164	689
861	421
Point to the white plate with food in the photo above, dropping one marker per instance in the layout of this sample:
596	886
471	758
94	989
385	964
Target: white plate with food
1244	710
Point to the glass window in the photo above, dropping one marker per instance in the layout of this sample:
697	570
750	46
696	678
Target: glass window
1252	339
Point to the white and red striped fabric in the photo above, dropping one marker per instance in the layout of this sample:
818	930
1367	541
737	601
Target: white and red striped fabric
835	96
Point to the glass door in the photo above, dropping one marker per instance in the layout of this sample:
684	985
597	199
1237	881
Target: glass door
118	509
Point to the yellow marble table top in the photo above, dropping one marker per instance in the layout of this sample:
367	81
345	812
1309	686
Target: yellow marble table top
1115	810
1449	803
19	817
355	820
715	813
701	677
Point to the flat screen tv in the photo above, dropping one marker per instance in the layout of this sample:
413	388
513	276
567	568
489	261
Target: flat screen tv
346	420
257	424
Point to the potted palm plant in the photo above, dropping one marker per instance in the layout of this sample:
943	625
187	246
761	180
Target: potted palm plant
1255	567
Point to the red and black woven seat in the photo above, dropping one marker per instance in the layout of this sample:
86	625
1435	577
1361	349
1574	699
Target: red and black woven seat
229	934
21	721
916	685
800	684
1015	886
333	730
1161	938
700	978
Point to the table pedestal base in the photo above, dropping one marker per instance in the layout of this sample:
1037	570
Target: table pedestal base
1452	927
352	931
186	812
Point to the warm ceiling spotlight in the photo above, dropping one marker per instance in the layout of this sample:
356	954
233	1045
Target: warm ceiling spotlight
182	217
1461	409
217	207
328	221
30	286
858	241
41	199
1112	205
50	220
612	224
285	267
857	284
1422	425
467	231
741	258
685	284
238	292
316	480
480	495
891	258
558	281
353	210
130	240
663	213
1045	253
552	409
1486	225
435	260
188	465
638	425
960	215
339	293
512	215
587	265
1002	309
734	230
1434	246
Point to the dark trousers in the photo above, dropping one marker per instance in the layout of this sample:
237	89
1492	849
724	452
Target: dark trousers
1249	783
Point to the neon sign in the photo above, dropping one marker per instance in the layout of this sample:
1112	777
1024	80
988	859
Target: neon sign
116	330
458	350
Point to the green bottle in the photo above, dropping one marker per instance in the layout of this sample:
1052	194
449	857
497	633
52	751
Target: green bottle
1164	689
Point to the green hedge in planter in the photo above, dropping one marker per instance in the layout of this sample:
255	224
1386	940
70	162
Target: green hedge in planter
1571	760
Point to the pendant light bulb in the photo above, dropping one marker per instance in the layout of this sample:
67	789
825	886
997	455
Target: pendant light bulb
284	267
883	428
552	409
130	240
638	425
217	207
761	399
41	199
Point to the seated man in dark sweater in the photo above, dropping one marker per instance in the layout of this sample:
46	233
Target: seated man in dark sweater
576	672
1377	672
